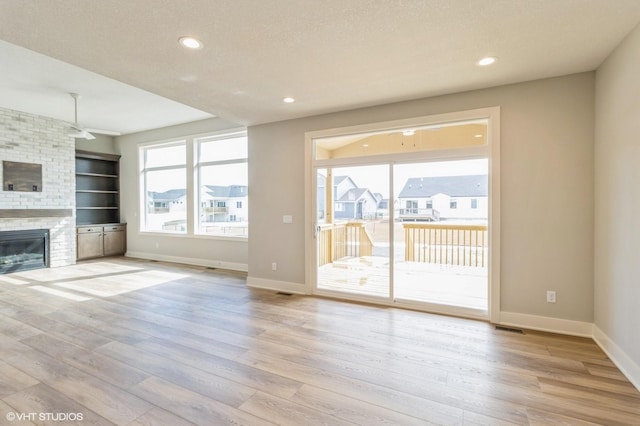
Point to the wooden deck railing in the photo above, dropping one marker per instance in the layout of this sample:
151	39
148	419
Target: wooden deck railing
339	240
462	245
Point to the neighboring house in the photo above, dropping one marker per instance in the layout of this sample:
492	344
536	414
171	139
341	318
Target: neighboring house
166	210
350	201
383	208
224	203
170	201
218	204
356	203
444	197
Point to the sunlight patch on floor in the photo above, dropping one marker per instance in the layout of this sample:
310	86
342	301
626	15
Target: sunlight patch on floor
122	283
76	271
12	280
60	293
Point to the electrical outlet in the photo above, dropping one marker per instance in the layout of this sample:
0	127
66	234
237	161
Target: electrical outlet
551	296
274	266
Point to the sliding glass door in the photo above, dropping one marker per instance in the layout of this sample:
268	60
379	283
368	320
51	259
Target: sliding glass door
403	216
353	230
441	222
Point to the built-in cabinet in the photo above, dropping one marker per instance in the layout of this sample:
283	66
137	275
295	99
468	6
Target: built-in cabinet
101	240
99	231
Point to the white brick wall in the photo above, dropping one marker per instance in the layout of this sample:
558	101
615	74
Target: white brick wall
30	138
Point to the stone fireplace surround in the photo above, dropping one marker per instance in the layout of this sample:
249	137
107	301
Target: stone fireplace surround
30	138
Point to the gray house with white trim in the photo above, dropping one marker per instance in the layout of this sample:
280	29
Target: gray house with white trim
444	198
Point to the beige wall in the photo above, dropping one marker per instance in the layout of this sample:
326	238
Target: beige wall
102	143
547	190
195	250
617	204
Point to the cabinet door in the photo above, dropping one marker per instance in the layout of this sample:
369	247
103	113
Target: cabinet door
89	243
115	239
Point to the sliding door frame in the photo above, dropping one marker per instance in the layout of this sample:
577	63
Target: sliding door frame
491	151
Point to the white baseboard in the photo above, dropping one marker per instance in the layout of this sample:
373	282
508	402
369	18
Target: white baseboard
552	325
624	362
210	263
284	286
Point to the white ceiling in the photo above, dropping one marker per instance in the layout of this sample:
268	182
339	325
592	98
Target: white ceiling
330	55
38	84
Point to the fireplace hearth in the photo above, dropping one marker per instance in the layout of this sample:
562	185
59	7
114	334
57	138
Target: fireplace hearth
24	250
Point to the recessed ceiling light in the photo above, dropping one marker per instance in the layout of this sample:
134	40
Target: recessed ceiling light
487	61
288	100
365	145
409	132
477	136
190	43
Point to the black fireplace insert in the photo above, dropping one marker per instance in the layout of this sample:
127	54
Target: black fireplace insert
24	250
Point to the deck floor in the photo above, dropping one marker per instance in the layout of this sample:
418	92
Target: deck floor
440	284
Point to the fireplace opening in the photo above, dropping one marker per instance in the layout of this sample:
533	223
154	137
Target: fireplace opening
24	250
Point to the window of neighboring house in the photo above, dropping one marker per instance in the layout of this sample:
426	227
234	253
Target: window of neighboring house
412	207
453	204
339	207
222	172
239	204
429	204
474	203
163	181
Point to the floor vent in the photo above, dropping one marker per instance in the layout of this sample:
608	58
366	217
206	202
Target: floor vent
282	293
509	329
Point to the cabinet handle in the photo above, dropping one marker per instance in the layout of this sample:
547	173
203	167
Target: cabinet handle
89	230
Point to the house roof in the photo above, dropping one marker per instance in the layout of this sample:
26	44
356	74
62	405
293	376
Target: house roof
337	180
170	195
231	191
355	194
454	186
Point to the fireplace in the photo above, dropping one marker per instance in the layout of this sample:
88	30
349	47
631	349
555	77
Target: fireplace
23	250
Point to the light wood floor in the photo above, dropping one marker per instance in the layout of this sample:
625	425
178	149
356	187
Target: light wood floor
141	343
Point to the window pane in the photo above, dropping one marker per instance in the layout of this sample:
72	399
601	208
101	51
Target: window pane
223	204
223	149
166	201
166	156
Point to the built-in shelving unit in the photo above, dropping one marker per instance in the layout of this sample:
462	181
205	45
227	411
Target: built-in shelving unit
97	188
99	231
